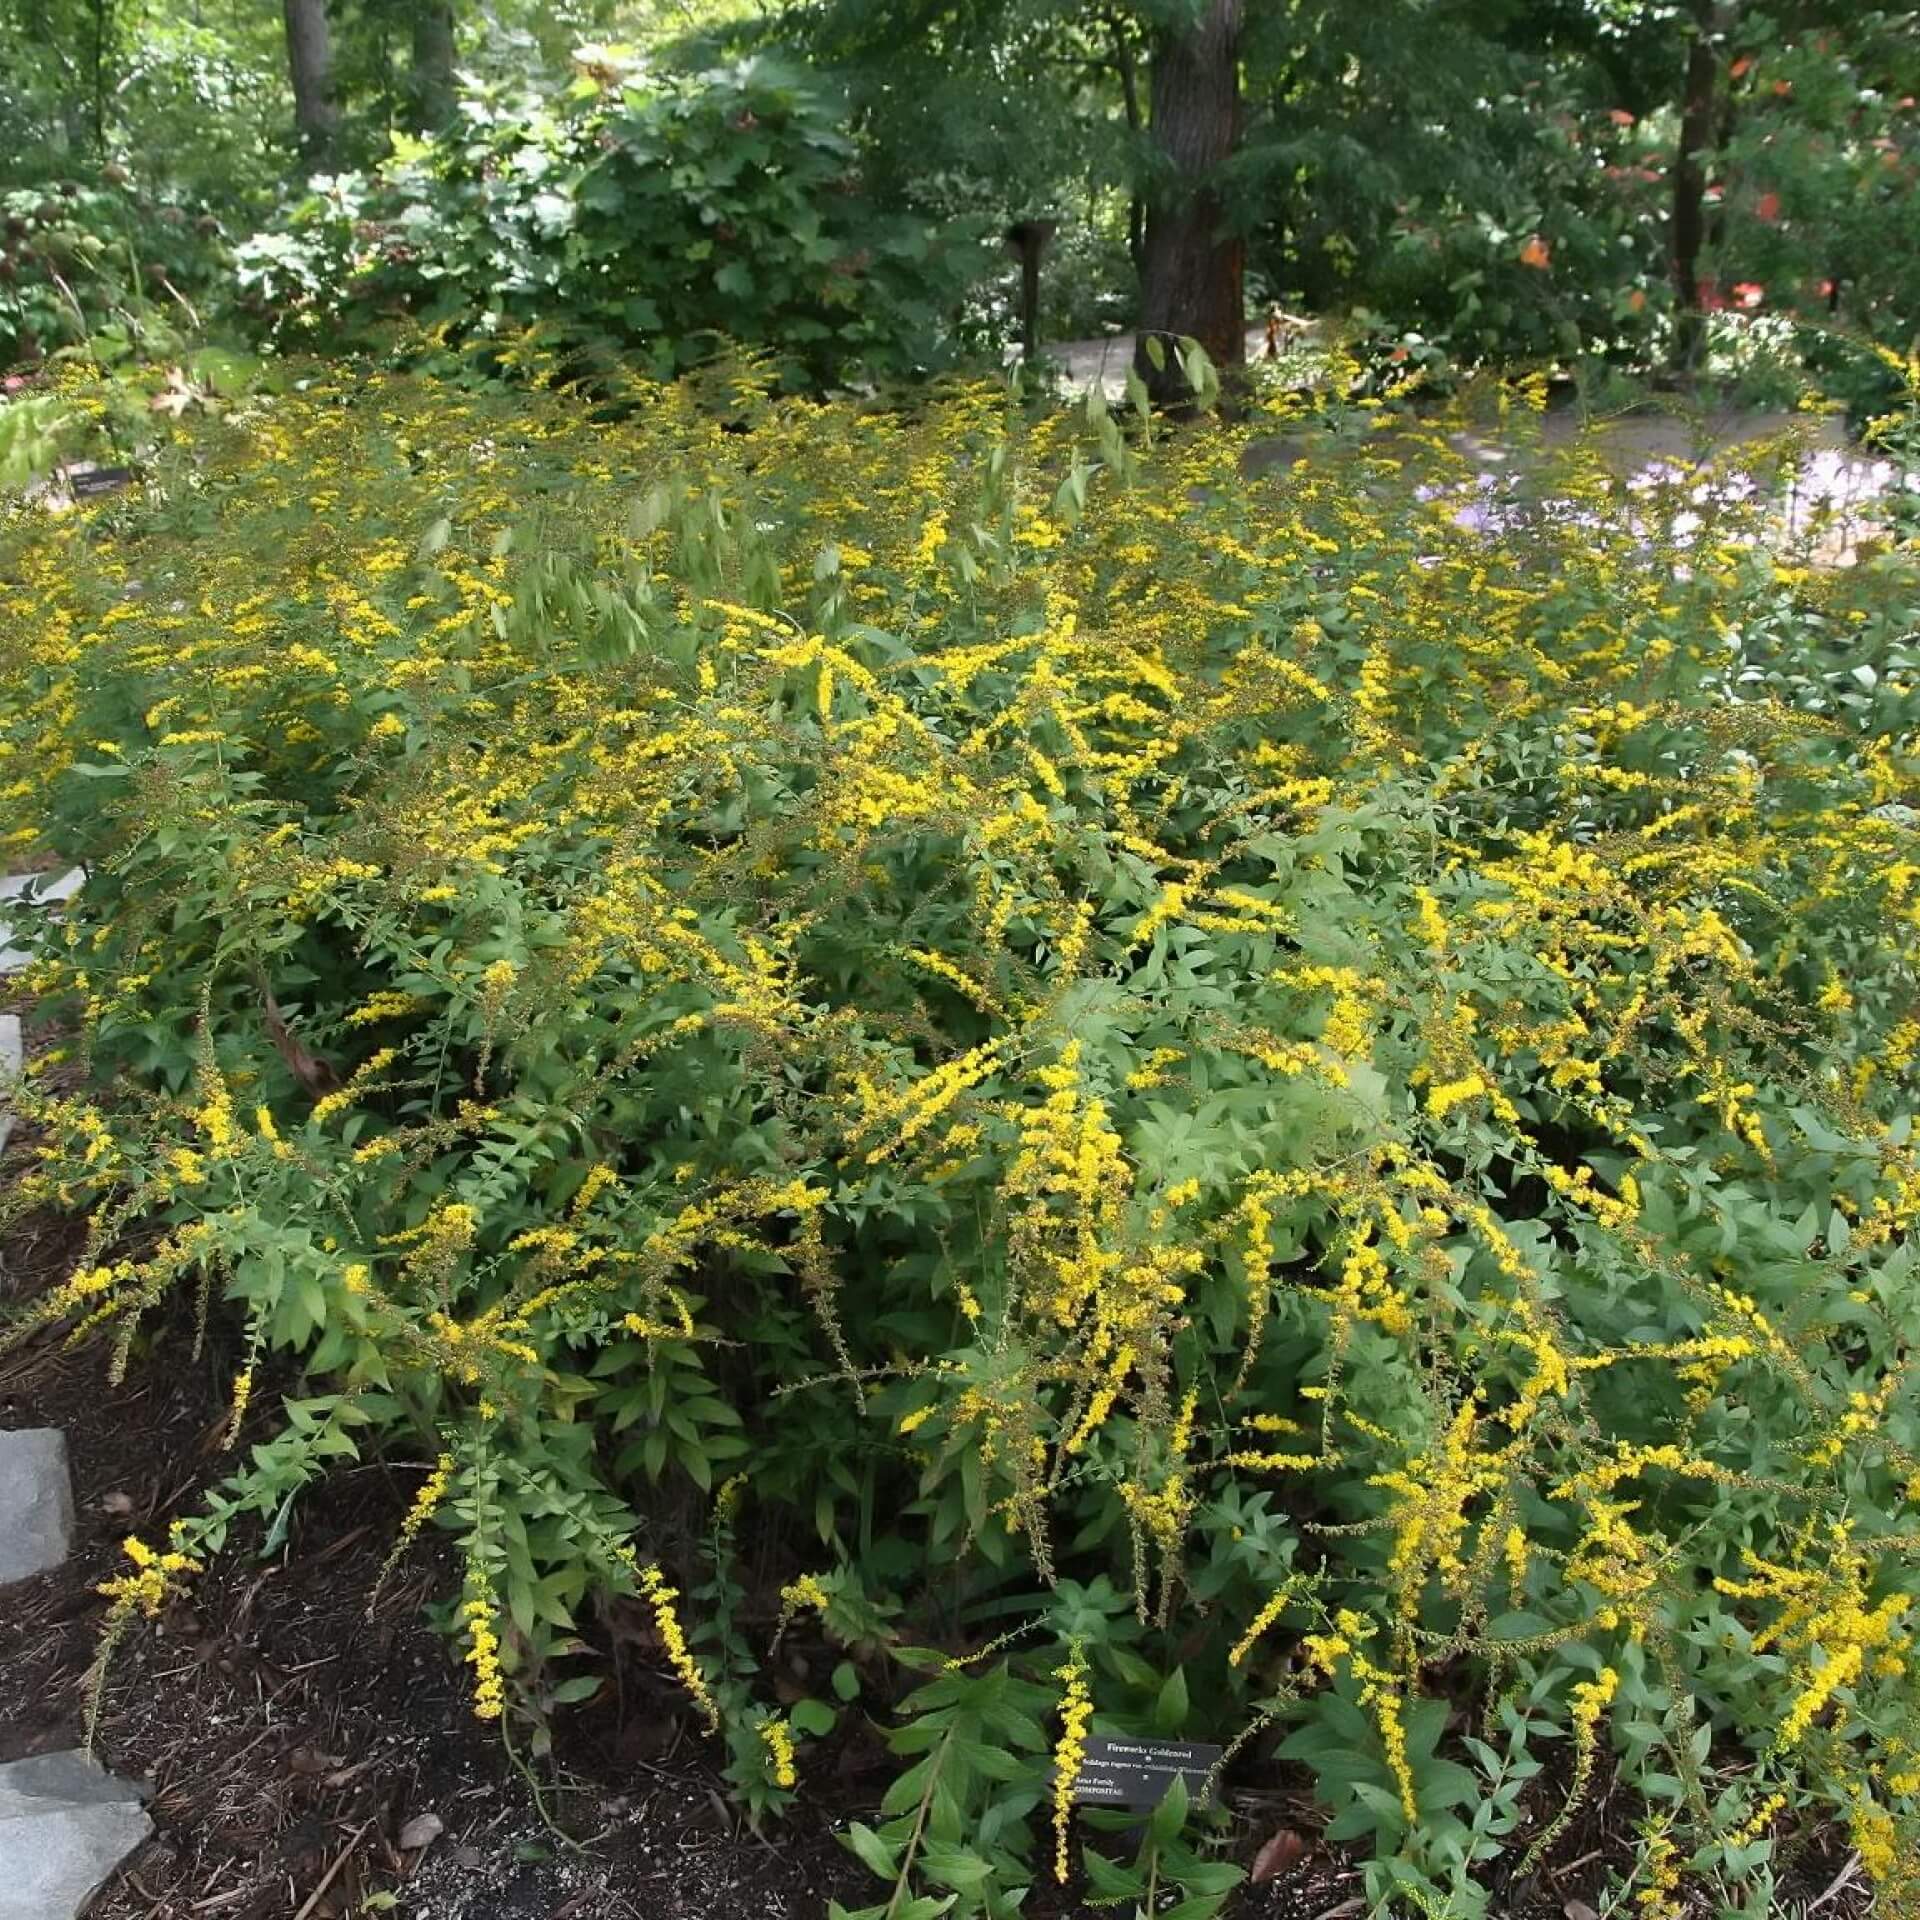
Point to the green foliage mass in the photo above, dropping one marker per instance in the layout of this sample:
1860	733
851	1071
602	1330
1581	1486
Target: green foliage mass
110	269
660	214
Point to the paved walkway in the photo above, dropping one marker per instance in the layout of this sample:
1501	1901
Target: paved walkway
1823	493
1828	491
1086	362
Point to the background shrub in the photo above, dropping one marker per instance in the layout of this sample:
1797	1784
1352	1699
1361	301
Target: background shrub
661	213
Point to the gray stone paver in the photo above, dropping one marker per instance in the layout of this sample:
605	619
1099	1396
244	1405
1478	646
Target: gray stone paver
12	1059
36	1502
65	1825
32	887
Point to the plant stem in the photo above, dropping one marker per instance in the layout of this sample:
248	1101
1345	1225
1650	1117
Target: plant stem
919	1825
527	1774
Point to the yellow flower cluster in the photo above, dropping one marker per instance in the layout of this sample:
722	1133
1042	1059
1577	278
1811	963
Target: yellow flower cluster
1661	1864
1825	1612
806	1591
483	1654
1378	1687
777	1737
425	1503
156	1578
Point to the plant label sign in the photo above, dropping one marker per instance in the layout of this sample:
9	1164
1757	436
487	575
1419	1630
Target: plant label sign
1137	1773
89	482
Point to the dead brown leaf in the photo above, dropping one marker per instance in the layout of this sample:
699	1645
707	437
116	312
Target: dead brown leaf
1281	1854
307	1067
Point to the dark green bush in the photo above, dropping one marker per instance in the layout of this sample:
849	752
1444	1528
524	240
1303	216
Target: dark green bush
104	263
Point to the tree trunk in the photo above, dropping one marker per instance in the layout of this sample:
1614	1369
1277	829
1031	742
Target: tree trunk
1193	274
1690	186
1129	71
432	64
103	25
310	68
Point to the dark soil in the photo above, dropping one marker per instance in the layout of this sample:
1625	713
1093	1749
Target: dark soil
292	1735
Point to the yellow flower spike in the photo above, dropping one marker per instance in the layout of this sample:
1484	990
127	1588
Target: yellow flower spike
806	1593
1275	1606
1069	1752
1444	1096
1663	1867
660	1597
237	1412
483	1653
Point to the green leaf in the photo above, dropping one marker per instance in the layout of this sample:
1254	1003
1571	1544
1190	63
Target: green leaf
1170	1709
1202	1906
904	1790
1110	1880
955	1867
1207	1876
1170	1815
813	1717
873	1852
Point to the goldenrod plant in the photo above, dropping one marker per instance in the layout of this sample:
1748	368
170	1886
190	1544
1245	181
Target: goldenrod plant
1241	1109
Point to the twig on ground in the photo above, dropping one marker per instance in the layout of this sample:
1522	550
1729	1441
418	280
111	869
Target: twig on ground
231	1897
340	1859
1840	1880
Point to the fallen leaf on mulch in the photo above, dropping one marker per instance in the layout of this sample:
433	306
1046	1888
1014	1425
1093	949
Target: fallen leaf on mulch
421	1831
1278	1856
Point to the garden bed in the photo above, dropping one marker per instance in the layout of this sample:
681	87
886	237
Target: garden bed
934	1082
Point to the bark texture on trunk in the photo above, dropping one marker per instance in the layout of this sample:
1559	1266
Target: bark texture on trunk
316	118
1192	279
432	77
1690	185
